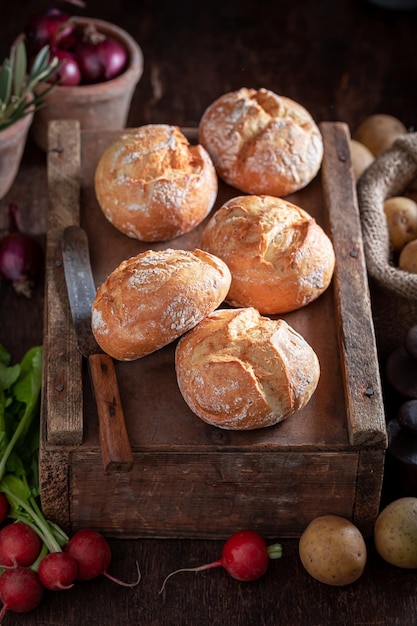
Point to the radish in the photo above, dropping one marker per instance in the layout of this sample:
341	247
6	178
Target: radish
58	570
19	545
4	507
245	557
20	590
93	556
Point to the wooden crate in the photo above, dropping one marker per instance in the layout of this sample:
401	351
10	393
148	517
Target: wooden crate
190	479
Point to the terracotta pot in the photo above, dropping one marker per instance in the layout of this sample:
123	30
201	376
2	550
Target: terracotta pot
12	144
101	105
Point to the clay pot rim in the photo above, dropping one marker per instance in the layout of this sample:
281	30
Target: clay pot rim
22	122
135	65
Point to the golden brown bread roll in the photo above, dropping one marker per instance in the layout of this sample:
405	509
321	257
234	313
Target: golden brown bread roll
240	371
151	299
152	185
261	143
279	257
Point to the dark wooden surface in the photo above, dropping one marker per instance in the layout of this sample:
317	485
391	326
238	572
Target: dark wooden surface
343	60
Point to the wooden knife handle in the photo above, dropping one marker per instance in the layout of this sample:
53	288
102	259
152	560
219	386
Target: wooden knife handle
114	442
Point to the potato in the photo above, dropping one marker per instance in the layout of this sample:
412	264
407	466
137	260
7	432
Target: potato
395	533
408	257
361	157
378	132
401	215
333	550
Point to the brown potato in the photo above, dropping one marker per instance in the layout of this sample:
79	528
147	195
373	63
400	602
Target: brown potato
361	157
378	132
408	257
333	550
395	533
401	215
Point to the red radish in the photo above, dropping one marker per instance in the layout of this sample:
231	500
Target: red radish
19	545
245	557
91	552
4	507
20	590
58	570
93	556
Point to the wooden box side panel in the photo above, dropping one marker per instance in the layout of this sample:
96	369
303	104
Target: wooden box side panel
370	474
62	407
54	482
358	353
213	495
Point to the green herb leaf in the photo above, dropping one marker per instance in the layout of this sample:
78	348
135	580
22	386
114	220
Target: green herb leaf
19	444
17	85
4	355
8	375
20	68
26	393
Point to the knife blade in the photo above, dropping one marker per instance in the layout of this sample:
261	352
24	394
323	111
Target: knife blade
114	442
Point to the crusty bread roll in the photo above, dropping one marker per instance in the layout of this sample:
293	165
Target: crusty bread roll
240	371
279	257
151	299
261	143
152	185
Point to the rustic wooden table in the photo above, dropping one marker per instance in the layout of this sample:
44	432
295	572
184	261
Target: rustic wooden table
343	60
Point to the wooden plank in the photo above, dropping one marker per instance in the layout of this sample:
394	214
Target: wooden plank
366	419
54	470
214	494
370	474
62	397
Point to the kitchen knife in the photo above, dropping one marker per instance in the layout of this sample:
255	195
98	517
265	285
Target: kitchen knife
114	442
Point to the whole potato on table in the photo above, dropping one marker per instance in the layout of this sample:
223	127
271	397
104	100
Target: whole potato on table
401	216
333	550
395	533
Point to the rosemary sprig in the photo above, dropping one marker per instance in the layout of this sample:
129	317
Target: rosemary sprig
17	85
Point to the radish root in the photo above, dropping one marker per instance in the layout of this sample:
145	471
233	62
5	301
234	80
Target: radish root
121	582
189	569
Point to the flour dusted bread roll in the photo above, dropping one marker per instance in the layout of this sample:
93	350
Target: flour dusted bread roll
240	371
153	298
152	185
279	257
261	143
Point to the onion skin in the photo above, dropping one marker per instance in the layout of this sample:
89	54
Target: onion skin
102	60
21	256
52	26
21	262
69	74
99	57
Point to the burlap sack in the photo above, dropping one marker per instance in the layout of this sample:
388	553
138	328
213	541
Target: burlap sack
393	291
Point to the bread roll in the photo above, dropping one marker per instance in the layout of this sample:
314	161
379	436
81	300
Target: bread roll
151	299
279	257
240	371
261	143
152	185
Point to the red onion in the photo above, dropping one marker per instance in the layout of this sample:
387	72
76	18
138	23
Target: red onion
21	257
69	74
100	57
52	26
